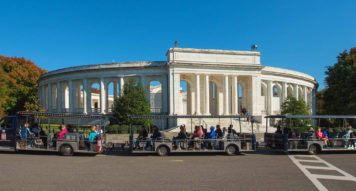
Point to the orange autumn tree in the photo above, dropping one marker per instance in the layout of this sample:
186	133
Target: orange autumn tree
18	85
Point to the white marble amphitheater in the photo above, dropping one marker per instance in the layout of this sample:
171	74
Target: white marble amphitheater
191	81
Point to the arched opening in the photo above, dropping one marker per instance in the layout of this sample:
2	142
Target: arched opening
155	90
213	100
276	91
276	99
110	89
309	97
242	98
185	97
300	94
95	97
264	97
289	91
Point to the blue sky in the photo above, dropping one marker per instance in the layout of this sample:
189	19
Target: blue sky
300	35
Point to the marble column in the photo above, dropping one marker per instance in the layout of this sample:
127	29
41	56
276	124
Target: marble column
43	95
102	96
296	92
207	96
269	97
115	89
59	97
235	96
305	90
177	95
314	103
122	83
71	96
284	91
85	96
226	95
89	101
164	95
197	94
49	97
255	94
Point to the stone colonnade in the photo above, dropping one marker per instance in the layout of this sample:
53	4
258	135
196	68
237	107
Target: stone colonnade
75	96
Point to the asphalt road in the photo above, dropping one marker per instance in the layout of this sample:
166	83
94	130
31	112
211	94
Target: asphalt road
251	171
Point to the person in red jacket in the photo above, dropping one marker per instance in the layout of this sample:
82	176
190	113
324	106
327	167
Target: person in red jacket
321	136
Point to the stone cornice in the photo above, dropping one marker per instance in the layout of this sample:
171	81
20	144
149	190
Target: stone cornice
106	66
213	51
209	65
287	73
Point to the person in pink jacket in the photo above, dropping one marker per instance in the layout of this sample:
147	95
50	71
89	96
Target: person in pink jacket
198	132
62	133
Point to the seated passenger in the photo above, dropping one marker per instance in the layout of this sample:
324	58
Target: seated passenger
198	133
205	132
231	133
43	137
224	133
60	135
142	135
155	135
311	133
348	143
294	142
278	131
92	135
320	134
26	133
69	128
211	136
218	132
182	135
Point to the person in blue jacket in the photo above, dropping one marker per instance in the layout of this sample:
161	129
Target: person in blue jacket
92	135
212	136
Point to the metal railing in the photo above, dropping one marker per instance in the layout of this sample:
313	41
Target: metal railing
95	110
156	110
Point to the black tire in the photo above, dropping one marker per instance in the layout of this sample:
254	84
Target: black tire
313	149
232	150
162	151
66	150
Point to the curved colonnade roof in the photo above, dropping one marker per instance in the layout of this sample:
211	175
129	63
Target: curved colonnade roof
153	64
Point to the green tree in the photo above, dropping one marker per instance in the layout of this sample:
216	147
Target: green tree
132	102
340	94
292	106
18	85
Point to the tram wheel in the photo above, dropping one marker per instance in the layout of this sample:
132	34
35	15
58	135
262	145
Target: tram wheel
313	149
162	151
66	150
231	150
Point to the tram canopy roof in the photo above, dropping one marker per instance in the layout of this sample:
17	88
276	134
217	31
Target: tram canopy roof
46	114
311	116
186	116
67	118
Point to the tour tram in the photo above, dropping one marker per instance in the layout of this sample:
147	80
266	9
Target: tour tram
287	138
36	131
231	144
